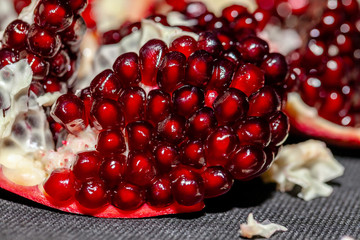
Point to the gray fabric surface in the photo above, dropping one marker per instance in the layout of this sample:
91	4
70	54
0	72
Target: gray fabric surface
324	218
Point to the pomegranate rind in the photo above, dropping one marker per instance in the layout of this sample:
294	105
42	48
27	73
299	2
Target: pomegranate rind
36	194
305	120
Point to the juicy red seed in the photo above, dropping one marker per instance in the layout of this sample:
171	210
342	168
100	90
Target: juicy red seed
157	106
232	55
128	29
330	21
219	145
187	99
243	22
253	49
75	32
59	64
246	162
205	19
275	68
53	15
106	113
217	181
199	68
140	169
139	135
248	78
126	67
69	110
166	156
184	44
106	84
234	11
42	42
92	195
333	73
39	66
230	106
209	42
192	154
279	127
254	131
310	89
112	170
60	185
37	88
20	4
219	24
210	97
111	37
315	52
150	56
111	141
195	9
243	33
128	197
51	84
201	123
171	73
172	129
77	6
222	74
262	18
88	100
226	41
178	5
15	34
87	165
331	104
159	18
187	186
7	57
132	102
265	101
159	193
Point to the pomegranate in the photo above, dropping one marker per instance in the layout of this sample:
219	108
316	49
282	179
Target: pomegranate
170	124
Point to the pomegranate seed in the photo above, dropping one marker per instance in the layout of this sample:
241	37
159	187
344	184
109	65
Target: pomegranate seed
20	4
158	106
172	129
87	165
226	41
209	42
248	79
254	130
199	69
77	6
310	89
140	169
178	5
126	30
246	162
232	55
195	9
15	34
205	19
265	101
111	141
192	154
128	197
315	52
330	21
210	97
7	57
69	110
262	18
42	42
159	18
60	185
333	72
53	15
59	64
230	106
139	135
279	127
92	195
112	170
106	113
187	99
275	68
39	66
219	145
75	32
201	123
132	102
126	67
184	44
253	49
217	181
88	100
166	156
332	104
222	74
159	193
171	72
51	84
233	11
106	84
243	22
151	55
187	186
111	37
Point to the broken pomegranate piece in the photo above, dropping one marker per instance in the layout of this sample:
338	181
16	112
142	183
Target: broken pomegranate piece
168	126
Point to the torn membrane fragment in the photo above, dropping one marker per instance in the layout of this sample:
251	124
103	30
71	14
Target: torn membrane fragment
253	228
309	164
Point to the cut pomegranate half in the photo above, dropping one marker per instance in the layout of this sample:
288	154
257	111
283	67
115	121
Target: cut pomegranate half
162	130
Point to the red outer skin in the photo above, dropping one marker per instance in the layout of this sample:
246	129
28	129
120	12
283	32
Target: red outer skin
35	194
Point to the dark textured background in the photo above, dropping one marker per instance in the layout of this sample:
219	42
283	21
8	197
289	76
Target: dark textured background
323	218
